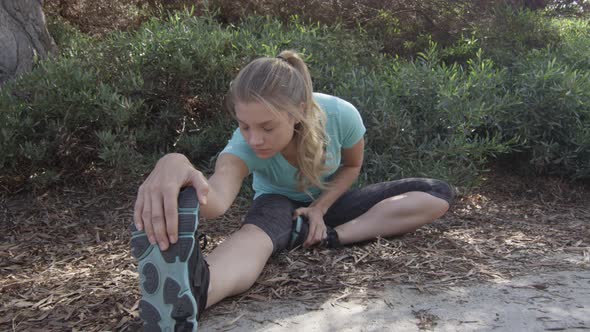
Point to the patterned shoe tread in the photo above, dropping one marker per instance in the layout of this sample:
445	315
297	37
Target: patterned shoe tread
139	245
148	312
152	328
181	249
186	223
183	308
171	290
183	327
186	199
150	272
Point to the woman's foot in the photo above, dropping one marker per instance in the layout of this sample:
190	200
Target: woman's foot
174	282
301	229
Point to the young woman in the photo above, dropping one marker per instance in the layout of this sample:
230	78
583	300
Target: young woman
305	150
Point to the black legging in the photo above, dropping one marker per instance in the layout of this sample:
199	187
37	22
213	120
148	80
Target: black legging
273	213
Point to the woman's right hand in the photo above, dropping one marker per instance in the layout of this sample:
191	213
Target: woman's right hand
156	207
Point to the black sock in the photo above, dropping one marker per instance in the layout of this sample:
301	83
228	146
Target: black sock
332	240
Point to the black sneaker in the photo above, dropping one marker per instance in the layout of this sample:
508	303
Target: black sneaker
174	282
301	229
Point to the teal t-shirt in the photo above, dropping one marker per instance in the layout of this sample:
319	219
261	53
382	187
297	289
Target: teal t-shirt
275	175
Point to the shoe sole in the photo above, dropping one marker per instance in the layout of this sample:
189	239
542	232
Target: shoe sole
298	225
167	302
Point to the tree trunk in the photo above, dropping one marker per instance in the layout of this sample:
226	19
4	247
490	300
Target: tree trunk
23	37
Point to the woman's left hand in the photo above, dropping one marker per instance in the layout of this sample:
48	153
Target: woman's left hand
317	227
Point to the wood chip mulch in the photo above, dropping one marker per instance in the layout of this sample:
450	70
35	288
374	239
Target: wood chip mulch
65	261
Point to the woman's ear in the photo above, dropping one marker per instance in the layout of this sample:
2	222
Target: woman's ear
293	119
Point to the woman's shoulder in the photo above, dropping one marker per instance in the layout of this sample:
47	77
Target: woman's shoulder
333	105
344	121
327	100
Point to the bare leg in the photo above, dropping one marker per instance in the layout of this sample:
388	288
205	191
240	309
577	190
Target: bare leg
236	263
393	216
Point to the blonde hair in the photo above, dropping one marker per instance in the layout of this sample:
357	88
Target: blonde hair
284	84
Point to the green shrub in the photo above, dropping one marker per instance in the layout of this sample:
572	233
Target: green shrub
112	106
56	119
509	33
120	102
574	48
423	116
553	119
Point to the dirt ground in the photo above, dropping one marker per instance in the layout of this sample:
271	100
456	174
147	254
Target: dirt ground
548	301
512	255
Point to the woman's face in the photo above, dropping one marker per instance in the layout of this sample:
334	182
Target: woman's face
266	132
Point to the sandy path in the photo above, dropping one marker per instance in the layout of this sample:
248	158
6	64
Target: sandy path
552	301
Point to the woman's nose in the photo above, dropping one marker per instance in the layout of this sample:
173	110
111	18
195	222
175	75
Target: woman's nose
255	139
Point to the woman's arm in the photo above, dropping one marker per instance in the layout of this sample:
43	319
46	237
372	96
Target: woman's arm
224	185
352	161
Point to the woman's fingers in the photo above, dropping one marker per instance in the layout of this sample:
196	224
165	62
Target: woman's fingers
171	213
201	185
316	233
158	221
156	207
310	241
146	216
138	210
298	212
317	228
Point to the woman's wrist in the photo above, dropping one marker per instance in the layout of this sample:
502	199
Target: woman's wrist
322	208
175	160
176	157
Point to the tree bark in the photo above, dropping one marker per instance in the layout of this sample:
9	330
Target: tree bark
23	37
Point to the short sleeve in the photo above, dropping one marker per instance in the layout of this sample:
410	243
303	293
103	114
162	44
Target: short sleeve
351	127
237	146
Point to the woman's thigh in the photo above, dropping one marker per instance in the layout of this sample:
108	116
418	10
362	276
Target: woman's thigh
274	215
358	201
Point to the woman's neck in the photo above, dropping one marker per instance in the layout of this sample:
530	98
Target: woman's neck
290	152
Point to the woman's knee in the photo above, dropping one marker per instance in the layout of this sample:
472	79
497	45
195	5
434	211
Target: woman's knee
437	205
419	203
271	215
251	229
442	190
